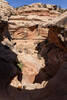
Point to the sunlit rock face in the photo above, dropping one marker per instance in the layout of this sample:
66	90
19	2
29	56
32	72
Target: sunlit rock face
5	10
38	8
27	29
29	21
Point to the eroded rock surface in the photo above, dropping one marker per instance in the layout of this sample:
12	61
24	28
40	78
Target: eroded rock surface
27	29
30	21
5	10
25	38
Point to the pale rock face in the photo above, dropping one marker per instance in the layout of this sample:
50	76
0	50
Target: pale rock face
30	21
5	10
31	67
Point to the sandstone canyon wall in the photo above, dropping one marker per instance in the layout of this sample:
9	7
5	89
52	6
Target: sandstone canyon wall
28	40
27	29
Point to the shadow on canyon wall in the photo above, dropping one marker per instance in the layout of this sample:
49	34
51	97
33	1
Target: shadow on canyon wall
4	32
53	59
8	59
55	89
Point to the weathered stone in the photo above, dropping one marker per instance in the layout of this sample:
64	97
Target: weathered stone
30	68
30	21
5	10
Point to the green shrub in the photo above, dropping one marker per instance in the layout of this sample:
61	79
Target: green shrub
20	65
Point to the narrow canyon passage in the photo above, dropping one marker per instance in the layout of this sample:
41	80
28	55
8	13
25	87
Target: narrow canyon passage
33	52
